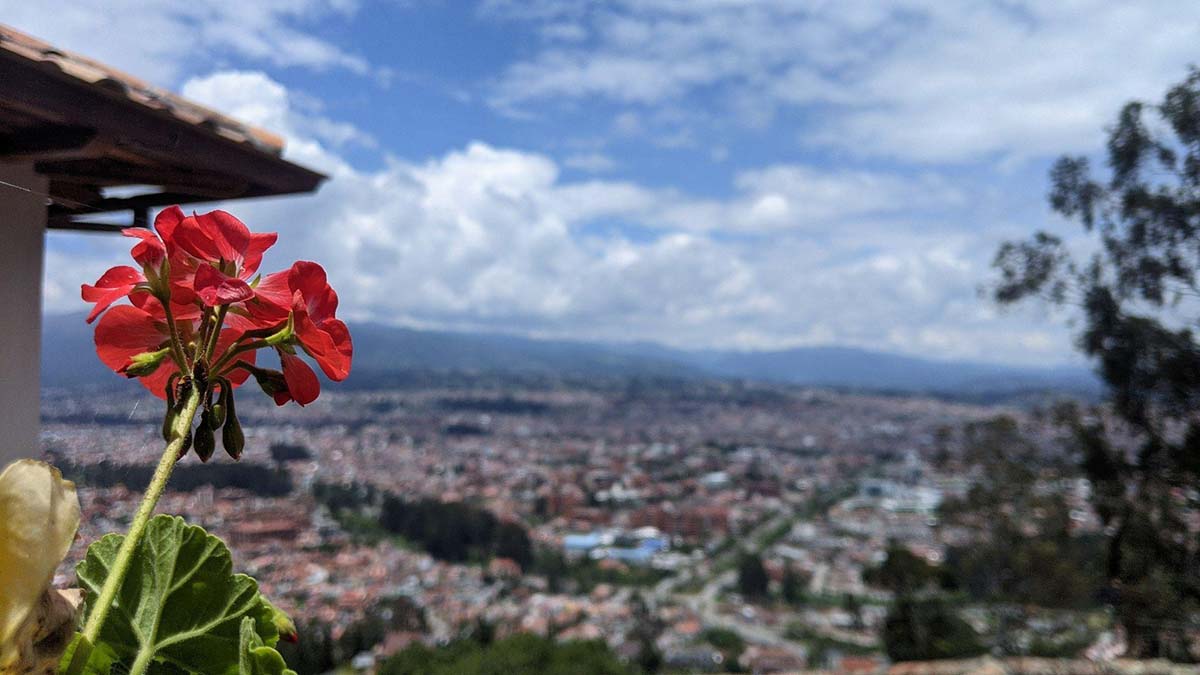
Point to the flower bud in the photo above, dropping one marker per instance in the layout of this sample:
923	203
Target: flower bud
158	278
141	365
187	445
217	416
168	425
232	438
272	383
173	408
204	439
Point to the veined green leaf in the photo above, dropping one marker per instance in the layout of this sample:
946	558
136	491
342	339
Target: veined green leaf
100	661
180	608
256	658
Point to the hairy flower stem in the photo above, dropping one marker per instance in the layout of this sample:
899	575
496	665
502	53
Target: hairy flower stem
176	349
116	576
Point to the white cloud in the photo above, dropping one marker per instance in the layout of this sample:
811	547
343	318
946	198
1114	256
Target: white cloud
921	80
491	238
254	98
158	39
777	198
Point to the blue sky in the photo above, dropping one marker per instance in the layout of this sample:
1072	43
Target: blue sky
704	173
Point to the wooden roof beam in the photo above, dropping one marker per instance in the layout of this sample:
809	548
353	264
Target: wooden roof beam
50	142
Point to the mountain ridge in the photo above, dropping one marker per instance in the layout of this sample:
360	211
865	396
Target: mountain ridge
68	358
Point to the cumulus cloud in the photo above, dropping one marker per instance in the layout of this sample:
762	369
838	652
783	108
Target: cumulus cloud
483	237
921	80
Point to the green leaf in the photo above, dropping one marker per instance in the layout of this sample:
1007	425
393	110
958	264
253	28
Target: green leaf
256	658
180	607
100	661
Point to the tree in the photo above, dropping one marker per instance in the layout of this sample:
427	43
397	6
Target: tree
853	606
286	452
902	572
752	578
925	630
730	644
1136	294
1024	550
512	541
646	629
792	587
520	654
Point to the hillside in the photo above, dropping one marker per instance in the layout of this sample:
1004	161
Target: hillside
68	359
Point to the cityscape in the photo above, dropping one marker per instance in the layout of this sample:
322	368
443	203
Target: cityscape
634	504
599	337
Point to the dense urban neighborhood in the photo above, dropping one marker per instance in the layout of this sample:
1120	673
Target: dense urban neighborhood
692	526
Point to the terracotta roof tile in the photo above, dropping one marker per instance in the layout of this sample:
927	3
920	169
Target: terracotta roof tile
135	89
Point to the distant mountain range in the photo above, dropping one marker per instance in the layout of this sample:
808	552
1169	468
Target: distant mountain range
68	358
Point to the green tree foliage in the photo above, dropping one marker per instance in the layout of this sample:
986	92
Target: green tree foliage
316	651
584	574
730	644
752	581
902	572
258	479
1025	551
792	586
853	606
286	452
512	541
646	629
522	654
451	531
927	629
1137	296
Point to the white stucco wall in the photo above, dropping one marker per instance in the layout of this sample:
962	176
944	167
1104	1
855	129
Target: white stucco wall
22	239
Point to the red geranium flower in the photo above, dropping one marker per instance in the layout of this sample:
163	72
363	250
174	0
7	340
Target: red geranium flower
232	253
323	336
126	331
193	265
212	255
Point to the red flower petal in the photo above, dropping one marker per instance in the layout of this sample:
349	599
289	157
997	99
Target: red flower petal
113	285
125	331
333	358
339	362
183	277
150	252
319	299
196	240
115	277
302	382
214	288
252	258
166	222
229	235
156	382
272	301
